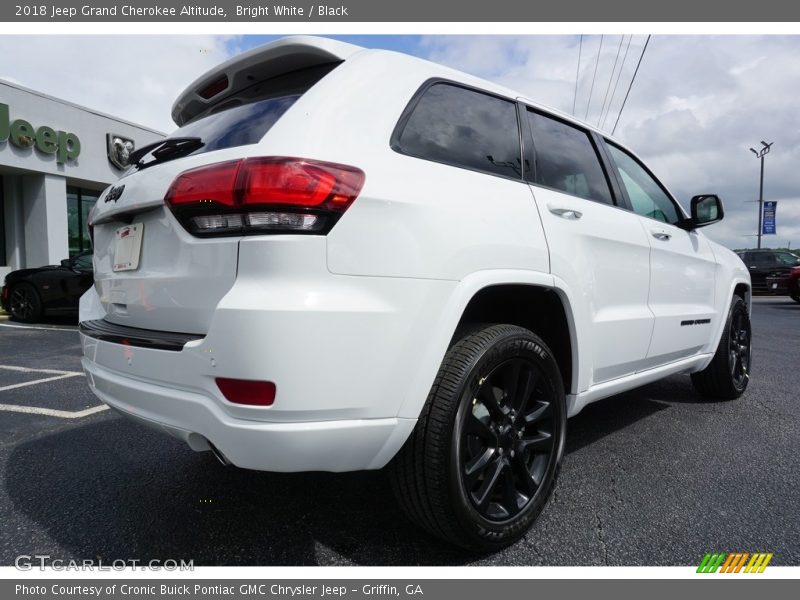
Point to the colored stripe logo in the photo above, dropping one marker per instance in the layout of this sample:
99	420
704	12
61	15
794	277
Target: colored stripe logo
734	562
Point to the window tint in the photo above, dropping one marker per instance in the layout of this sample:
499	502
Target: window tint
646	195
786	258
79	203
566	159
83	261
462	127
763	259
237	126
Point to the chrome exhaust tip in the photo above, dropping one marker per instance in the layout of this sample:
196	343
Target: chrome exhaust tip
219	455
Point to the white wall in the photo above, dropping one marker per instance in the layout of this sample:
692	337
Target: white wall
45	218
91	128
34	183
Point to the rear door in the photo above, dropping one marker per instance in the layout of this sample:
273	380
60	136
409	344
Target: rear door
682	265
763	264
596	247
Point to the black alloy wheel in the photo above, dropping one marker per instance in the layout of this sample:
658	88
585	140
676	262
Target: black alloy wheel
484	457
24	303
506	439
727	375
740	349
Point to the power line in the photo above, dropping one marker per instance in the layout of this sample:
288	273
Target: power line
616	83
621	108
610	79
577	73
591	89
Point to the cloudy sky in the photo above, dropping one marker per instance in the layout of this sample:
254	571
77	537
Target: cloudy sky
698	103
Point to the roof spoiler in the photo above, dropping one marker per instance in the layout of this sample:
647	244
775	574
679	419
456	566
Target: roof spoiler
259	64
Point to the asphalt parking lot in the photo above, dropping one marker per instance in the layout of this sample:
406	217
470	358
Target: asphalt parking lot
656	476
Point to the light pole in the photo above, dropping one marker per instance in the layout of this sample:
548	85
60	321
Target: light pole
760	154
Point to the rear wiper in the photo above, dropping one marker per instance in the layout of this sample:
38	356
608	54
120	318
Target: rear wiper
164	150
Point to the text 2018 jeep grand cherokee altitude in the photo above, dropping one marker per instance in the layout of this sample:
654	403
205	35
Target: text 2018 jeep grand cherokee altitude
346	259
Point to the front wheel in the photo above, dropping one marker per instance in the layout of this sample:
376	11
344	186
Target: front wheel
484	456
24	303
728	374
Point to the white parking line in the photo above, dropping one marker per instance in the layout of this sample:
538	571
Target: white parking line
31	370
56	376
55	328
36	381
51	412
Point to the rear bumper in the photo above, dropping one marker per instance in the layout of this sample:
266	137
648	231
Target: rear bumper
197	419
783	285
343	352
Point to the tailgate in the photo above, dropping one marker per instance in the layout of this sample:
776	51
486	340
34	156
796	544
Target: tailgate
179	279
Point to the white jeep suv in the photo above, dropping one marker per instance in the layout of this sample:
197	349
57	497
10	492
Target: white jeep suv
350	259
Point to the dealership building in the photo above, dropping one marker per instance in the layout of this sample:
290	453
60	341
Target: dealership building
55	159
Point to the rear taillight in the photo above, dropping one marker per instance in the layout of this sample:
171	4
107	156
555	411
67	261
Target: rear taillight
263	195
795	270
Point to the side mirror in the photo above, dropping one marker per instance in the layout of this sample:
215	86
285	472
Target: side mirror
66	263
706	209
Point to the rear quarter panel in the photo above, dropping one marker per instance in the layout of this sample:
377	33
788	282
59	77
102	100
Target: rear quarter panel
413	218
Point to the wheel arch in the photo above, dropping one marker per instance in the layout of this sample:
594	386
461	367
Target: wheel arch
738	287
480	296
536	308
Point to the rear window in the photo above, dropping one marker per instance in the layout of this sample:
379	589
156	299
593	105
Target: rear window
462	127
245	116
237	126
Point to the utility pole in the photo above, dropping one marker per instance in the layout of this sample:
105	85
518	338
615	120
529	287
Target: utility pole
761	154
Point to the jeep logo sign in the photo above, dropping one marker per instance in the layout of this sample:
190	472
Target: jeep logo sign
66	146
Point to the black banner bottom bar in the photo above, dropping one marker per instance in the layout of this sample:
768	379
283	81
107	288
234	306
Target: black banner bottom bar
732	587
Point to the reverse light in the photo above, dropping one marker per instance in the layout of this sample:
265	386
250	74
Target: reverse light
264	195
246	391
282	220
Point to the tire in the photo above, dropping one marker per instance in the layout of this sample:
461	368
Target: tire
24	303
474	472
796	297
728	374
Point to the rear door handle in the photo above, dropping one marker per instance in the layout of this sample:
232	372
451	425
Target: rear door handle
565	213
661	234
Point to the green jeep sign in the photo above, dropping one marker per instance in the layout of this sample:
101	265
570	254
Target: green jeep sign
66	146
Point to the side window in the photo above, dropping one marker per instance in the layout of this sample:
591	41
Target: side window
84	261
566	159
763	259
647	197
787	259
465	128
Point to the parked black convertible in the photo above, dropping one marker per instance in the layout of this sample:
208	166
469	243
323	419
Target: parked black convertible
29	294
